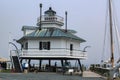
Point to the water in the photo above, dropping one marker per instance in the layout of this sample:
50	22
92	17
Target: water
42	76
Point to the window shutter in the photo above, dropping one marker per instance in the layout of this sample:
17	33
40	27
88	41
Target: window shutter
71	47
26	45
22	46
40	46
48	45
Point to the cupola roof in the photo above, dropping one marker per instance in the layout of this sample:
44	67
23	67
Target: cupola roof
50	12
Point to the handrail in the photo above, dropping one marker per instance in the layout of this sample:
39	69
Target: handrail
16	53
52	53
50	18
54	49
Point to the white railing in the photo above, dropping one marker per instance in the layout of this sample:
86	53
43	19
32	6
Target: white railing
53	53
50	18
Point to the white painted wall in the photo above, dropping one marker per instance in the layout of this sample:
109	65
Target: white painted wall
33	44
51	25
55	43
66	44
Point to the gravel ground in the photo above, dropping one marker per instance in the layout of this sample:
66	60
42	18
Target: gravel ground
43	76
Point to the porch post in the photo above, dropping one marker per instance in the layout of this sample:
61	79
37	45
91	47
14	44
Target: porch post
49	62
49	65
62	63
29	64
40	62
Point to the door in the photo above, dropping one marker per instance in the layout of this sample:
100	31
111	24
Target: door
71	49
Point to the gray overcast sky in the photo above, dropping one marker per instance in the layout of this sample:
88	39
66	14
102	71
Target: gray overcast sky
87	17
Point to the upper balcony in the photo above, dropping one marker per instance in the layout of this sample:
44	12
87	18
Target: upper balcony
51	19
54	53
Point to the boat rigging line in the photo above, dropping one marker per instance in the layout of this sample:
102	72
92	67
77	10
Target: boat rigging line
114	36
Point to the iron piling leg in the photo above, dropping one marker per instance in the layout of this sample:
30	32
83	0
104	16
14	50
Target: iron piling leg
29	66
80	67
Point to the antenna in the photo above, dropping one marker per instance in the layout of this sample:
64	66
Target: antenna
40	16
65	21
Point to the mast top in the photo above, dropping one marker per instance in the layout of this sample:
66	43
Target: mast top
40	5
111	33
49	19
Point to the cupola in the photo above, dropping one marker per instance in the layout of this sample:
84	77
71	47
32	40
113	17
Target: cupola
50	12
50	19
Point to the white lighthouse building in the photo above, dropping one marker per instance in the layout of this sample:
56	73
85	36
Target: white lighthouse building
49	41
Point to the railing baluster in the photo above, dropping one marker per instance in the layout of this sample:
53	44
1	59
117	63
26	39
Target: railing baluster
54	52
50	18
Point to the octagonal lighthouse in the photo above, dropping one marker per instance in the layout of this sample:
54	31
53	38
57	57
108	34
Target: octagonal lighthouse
49	41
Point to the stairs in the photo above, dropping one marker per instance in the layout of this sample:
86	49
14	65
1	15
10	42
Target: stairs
16	63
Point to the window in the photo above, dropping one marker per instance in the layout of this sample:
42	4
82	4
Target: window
26	45
44	46
40	46
22	46
71	47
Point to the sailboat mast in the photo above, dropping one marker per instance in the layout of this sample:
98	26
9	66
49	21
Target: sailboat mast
111	33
